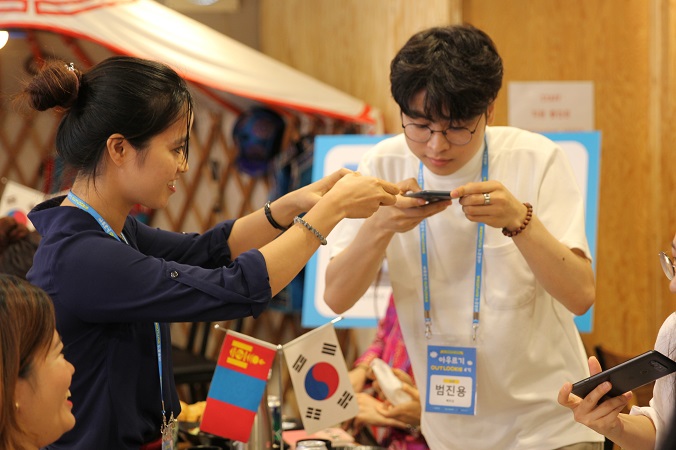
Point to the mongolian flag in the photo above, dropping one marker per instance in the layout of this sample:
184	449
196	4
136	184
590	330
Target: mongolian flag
237	386
320	382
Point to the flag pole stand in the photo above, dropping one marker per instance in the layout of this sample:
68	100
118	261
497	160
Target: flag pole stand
276	406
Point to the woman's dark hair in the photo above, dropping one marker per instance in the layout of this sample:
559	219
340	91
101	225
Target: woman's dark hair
17	258
458	67
134	97
17	247
26	330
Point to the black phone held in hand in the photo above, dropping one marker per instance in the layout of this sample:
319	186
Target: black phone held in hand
628	375
430	196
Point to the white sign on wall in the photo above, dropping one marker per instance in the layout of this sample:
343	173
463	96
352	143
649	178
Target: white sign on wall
551	106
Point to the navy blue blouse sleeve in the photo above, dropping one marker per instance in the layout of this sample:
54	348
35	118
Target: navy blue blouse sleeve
161	276
207	250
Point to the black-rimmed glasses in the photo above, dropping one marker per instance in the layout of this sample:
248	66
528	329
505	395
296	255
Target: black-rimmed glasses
455	135
667	266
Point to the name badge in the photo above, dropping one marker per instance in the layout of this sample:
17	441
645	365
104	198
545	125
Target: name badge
168	429
451	380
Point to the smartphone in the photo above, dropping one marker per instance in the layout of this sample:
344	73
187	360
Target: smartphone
430	196
628	375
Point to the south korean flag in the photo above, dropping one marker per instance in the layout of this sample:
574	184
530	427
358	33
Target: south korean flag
320	381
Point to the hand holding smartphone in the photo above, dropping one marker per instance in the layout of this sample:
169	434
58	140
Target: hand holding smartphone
628	375
430	196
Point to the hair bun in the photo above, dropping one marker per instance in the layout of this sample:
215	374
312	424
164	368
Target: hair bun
56	84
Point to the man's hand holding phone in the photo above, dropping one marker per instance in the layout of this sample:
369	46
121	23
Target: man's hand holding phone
407	213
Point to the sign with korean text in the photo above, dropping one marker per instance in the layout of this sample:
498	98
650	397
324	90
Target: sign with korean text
551	105
451	380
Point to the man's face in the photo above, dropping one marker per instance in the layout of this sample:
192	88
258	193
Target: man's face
438	154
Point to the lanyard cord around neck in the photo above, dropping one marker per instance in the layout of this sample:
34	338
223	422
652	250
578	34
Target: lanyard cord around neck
479	258
77	201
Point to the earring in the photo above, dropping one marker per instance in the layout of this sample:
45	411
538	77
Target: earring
16	405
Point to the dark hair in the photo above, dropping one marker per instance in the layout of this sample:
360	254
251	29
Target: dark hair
135	97
458	67
17	259
17	247
26	330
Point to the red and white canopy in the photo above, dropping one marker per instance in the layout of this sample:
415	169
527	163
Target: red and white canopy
147	29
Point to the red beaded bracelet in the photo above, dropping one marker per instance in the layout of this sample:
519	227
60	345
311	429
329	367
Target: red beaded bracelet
529	215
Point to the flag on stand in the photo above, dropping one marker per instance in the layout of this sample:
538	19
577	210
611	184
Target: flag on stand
237	386
320	381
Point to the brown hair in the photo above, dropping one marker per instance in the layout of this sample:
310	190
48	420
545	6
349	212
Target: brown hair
26	330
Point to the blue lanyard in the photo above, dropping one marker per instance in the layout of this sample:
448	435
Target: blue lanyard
85	207
77	201
477	267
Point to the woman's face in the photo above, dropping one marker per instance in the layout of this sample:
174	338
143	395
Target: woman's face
44	408
155	172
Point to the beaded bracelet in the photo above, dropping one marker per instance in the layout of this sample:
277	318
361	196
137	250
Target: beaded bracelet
529	215
413	430
321	238
272	221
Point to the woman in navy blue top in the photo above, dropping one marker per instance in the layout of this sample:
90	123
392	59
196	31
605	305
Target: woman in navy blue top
117	283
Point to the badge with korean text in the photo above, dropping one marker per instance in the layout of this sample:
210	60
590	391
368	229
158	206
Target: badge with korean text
451	380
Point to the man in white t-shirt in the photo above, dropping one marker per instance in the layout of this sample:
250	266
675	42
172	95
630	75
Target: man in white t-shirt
487	284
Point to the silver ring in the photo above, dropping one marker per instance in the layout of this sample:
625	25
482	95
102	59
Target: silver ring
487	198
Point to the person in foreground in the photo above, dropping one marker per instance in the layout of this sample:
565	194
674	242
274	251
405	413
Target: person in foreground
643	427
487	284
117	283
34	388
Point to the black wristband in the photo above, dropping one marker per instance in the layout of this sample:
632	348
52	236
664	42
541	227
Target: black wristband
272	221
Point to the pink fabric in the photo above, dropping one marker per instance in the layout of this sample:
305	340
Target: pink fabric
388	344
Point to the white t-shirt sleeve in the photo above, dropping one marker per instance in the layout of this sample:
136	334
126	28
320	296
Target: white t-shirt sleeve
566	216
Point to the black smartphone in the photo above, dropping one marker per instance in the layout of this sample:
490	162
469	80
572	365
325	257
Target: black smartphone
628	375
430	196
